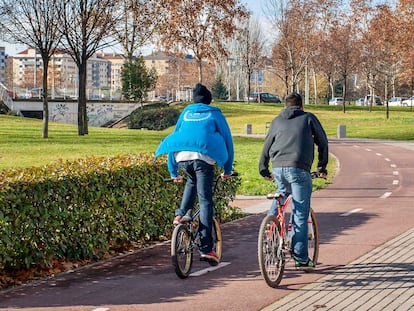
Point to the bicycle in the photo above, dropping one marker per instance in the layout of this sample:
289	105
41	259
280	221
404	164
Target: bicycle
275	238
186	238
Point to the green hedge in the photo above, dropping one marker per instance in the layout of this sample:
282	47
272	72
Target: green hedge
153	117
84	208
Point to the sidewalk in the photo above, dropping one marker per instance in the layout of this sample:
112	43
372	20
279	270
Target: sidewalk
382	279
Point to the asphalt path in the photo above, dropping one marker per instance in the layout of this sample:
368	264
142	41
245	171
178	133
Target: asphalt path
369	203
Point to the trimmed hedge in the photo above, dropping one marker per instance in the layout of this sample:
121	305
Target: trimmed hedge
153	117
84	208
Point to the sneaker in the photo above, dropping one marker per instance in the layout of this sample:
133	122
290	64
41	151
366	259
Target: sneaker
210	257
177	220
307	267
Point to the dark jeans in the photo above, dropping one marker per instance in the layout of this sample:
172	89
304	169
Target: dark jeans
200	179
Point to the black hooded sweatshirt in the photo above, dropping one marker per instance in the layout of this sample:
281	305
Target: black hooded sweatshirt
291	140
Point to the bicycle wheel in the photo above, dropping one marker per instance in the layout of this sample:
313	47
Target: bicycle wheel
218	242
313	238
181	251
270	251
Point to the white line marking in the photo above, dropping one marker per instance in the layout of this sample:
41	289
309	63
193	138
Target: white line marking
367	149
207	270
385	195
351	212
101	309
393	165
395	173
388	160
379	154
395	182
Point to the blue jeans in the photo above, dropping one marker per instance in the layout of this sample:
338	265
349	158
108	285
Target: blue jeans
200	179
298	182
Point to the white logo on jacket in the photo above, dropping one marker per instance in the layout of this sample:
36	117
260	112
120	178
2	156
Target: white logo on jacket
196	116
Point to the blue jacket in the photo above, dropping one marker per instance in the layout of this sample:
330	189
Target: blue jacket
200	128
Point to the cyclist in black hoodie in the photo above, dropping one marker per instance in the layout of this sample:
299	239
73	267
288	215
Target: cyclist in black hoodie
290	146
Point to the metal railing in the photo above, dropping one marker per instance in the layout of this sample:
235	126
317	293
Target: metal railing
5	97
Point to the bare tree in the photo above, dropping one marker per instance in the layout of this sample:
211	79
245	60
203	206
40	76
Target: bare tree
251	50
296	24
87	28
200	27
405	13
385	28
34	23
363	12
344	50
293	20
140	19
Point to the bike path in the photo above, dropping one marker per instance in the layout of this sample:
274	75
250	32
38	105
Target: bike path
382	279
145	280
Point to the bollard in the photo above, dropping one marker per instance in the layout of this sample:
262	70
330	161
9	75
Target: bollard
247	129
341	131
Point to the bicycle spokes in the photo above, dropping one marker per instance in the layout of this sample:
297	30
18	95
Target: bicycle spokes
270	251
181	251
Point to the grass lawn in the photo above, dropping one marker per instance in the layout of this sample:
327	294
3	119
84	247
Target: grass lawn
21	144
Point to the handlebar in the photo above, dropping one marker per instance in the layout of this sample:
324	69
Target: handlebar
317	175
233	174
313	175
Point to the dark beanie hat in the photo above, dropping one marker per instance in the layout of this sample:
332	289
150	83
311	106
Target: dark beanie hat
201	94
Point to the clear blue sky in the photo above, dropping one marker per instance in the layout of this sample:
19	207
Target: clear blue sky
254	5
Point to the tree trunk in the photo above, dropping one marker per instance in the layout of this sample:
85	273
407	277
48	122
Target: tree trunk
45	127
200	70
315	88
82	116
344	93
386	97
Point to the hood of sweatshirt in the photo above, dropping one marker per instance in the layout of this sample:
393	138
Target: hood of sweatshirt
291	112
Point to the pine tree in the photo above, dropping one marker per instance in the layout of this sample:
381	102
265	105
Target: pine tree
137	80
219	90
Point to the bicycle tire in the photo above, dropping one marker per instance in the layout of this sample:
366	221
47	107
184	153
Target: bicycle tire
270	251
218	241
313	239
181	251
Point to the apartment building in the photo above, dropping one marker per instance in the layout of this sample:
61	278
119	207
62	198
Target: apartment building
104	74
27	73
158	60
116	62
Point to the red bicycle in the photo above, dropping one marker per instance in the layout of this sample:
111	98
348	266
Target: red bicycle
275	239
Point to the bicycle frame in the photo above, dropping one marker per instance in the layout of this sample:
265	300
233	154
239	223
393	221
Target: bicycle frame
286	231
275	239
186	237
281	208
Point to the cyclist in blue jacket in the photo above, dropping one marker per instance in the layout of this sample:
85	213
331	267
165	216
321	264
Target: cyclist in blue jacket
290	145
201	139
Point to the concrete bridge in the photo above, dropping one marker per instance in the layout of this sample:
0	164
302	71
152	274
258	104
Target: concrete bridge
100	113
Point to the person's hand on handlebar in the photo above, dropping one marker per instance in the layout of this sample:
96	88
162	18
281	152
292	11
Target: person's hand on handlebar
269	178
323	175
177	179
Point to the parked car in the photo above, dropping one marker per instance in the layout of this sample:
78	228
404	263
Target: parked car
395	101
336	101
367	100
408	101
359	102
264	98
